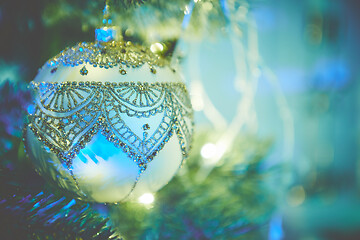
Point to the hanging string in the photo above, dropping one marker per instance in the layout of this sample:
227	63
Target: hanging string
107	32
106	14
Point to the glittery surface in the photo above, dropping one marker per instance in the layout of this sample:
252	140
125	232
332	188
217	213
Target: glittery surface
108	55
67	115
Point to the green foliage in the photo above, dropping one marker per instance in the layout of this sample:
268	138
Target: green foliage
48	217
231	203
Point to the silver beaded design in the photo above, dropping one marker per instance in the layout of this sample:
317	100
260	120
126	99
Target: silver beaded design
67	115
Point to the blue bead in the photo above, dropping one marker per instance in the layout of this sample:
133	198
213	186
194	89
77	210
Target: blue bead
31	109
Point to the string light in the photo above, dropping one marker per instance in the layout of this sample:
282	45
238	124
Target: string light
146	198
208	150
156	47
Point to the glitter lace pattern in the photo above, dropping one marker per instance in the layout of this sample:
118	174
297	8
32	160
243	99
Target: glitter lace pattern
67	115
108	55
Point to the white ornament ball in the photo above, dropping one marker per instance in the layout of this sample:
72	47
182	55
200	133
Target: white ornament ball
111	121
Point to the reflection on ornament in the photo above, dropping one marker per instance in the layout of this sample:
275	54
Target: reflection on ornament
109	134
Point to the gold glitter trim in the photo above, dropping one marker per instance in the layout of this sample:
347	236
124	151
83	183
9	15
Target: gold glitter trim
108	55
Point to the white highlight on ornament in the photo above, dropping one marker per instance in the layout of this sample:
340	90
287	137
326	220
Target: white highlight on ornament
146	198
156	47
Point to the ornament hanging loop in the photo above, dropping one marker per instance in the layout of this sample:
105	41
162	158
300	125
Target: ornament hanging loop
106	14
107	32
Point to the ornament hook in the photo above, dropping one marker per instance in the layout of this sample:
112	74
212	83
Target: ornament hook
106	14
107	32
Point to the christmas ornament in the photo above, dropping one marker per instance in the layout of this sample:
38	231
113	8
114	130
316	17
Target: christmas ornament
111	120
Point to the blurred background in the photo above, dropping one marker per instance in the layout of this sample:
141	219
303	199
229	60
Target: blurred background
282	70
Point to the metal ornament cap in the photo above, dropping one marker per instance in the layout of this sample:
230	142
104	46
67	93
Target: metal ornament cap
108	34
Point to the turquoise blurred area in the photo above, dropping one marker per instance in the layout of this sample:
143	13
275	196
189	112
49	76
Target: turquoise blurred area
311	47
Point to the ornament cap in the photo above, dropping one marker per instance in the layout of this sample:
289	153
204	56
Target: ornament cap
108	34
